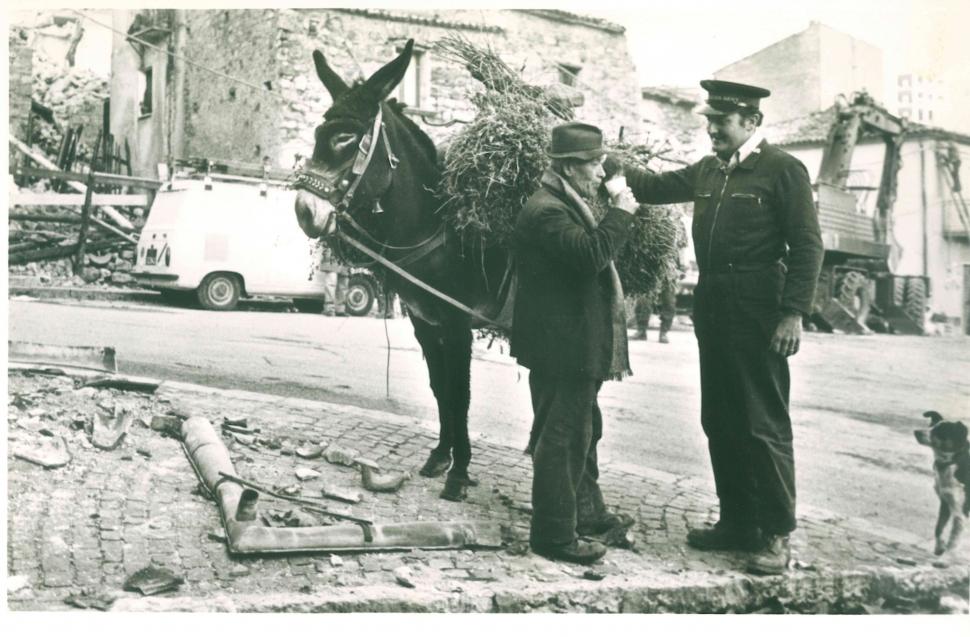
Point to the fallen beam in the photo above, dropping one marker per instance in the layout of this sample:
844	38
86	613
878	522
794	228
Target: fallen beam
211	461
100	358
57	252
116	216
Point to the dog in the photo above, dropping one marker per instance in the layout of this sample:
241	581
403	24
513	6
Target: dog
951	472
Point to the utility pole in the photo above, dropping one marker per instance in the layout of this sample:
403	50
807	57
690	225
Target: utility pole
176	148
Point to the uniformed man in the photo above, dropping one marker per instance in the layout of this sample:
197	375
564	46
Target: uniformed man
759	251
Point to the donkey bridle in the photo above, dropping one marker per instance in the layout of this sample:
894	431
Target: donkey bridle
340	192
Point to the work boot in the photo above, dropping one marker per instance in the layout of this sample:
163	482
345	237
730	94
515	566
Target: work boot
605	524
578	551
340	310
722	537
663	337
641	335
773	559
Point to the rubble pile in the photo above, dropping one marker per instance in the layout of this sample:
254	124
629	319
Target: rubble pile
75	95
106	268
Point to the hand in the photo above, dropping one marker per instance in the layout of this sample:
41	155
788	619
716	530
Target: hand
788	335
612	166
625	201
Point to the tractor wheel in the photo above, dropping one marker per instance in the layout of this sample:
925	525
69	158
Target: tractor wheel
915	300
219	291
854	294
360	295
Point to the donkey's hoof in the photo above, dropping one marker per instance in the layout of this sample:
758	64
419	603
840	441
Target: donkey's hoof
435	465
456	489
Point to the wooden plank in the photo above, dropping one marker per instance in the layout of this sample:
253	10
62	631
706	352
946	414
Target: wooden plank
56	252
63	199
44	218
100	177
82	233
115	216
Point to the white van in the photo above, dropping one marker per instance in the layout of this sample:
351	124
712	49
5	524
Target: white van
225	237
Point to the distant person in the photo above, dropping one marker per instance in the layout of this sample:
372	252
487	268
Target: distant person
759	251
569	330
665	305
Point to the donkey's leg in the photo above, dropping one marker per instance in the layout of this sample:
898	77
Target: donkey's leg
458	356
432	346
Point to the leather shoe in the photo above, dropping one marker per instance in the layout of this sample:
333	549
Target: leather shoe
605	524
773	559
721	537
578	551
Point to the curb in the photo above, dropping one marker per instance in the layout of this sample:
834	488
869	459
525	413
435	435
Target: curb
818	593
84	294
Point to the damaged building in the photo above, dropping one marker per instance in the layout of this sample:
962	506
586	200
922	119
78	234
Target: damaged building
241	85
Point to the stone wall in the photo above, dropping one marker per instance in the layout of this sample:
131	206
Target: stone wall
271	48
225	119
20	71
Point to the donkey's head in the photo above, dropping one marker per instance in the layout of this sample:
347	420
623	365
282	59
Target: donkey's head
352	164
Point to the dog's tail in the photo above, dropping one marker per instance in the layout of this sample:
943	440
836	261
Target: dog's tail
934	416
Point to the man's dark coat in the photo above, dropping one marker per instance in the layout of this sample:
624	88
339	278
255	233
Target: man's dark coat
562	324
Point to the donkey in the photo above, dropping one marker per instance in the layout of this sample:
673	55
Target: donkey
372	177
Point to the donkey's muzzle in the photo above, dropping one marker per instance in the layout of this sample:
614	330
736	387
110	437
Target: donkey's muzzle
314	214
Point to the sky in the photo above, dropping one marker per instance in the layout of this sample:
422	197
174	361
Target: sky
678	42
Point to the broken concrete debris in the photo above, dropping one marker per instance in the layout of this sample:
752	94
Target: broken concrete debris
341	495
152	580
50	453
303	473
108	431
311	452
404	577
382	483
98	600
341	456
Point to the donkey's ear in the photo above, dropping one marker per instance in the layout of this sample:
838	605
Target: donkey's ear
381	83
934	416
331	81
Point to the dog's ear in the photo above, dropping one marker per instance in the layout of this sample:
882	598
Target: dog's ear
934	416
923	437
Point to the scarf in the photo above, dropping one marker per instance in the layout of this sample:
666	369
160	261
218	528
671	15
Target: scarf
620	359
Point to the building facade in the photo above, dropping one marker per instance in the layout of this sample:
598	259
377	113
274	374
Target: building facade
808	70
922	98
269	108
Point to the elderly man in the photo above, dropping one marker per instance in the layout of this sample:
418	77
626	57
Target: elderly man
570	331
759	251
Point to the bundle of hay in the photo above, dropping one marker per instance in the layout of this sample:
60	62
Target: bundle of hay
495	163
649	260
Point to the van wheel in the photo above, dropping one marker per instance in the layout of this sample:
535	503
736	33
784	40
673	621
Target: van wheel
360	296
219	291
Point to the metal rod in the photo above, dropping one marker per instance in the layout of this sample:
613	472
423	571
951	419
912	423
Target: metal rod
311	505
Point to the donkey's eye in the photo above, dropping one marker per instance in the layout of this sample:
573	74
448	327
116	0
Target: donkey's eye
342	141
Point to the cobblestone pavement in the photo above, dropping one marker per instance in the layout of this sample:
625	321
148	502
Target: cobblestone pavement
87	526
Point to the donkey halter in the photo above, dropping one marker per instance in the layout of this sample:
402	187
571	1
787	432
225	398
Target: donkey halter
340	192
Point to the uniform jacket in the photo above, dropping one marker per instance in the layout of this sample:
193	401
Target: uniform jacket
562	323
759	214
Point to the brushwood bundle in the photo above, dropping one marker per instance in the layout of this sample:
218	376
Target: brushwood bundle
495	163
649	260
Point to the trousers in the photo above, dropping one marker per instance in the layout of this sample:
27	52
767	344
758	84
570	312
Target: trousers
567	425
744	403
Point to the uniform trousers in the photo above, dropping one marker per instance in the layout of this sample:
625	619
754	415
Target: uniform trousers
566	428
744	400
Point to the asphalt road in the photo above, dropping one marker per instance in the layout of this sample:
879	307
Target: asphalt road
855	401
